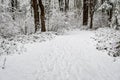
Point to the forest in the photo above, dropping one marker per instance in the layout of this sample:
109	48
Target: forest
59	39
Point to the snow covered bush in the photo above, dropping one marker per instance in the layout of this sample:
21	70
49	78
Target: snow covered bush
112	9
38	37
108	39
8	27
61	21
105	6
24	18
100	20
15	44
58	22
8	47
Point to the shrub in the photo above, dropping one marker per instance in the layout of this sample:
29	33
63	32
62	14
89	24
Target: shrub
8	27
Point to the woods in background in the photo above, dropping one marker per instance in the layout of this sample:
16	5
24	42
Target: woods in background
48	15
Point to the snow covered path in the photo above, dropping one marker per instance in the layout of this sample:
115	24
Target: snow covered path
72	56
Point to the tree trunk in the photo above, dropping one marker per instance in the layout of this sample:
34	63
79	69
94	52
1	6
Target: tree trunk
85	12
66	5
111	12
91	20
49	4
92	10
36	14
91	13
43	28
61	5
14	6
74	3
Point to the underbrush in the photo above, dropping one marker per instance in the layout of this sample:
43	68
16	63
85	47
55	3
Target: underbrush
61	22
108	39
16	44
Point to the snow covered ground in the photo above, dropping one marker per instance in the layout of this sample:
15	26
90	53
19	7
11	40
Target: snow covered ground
108	39
72	56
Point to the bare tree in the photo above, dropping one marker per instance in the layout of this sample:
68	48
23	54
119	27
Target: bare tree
61	5
85	12
14	6
36	14
110	12
91	6
43	29
66	5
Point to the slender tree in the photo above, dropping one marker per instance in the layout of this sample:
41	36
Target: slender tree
49	9
92	10
61	4
85	12
36	14
14	6
66	5
91	6
110	12
43	28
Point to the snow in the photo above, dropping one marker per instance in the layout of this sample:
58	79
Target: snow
108	39
72	56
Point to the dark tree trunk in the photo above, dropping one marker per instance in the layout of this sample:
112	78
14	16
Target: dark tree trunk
91	20
91	13
31	7
66	5
49	14
14	6
36	14
111	12
61	5
43	28
92	10
85	12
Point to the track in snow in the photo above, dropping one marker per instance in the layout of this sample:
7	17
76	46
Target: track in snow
69	57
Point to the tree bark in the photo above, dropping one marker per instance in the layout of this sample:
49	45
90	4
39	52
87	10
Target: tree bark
92	10
85	12
66	5
111	12
43	28
14	6
61	5
36	14
91	13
